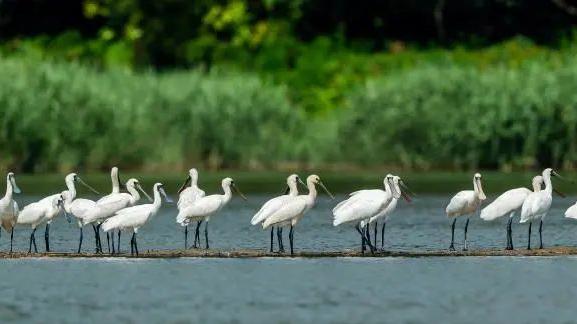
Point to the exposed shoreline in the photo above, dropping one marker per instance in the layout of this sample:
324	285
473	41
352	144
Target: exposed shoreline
245	253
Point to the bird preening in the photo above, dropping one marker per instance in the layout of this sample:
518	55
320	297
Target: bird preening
120	211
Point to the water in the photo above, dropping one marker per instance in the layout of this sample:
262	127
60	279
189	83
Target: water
268	290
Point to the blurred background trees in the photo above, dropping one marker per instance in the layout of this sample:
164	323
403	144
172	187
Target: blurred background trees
399	81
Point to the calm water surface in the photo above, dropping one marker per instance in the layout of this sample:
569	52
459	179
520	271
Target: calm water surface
268	290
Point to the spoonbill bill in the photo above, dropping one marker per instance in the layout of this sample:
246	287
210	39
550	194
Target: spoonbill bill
295	207
205	207
9	207
463	204
110	204
36	213
537	205
273	204
386	213
364	204
188	193
507	204
136	216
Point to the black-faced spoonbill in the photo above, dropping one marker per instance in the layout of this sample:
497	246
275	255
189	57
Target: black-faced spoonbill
364	204
136	216
110	204
203	208
188	193
275	203
9	207
35	213
507	204
294	209
386	213
537	205
463	204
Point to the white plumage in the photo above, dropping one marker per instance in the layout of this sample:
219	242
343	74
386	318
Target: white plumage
36	213
537	204
364	204
8	206
571	212
190	194
509	201
295	207
277	202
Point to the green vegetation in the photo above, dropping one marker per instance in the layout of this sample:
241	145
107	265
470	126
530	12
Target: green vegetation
510	106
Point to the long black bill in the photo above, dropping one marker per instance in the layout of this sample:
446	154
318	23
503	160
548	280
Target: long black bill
238	192
187	181
87	186
326	190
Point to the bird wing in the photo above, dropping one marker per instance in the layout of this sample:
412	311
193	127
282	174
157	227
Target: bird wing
459	203
361	206
386	212
31	213
536	204
571	212
80	207
290	209
354	196
203	207
133	218
268	208
189	196
507	202
114	202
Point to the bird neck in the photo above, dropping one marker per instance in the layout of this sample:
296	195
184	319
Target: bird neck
227	192
9	189
157	198
71	189
312	190
548	184
293	189
134	193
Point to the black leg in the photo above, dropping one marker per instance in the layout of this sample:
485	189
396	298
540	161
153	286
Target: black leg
11	238
80	241
291	238
279	239
363	247
30	242
197	235
271	238
186	237
112	240
452	246
383	236
206	234
508	247
368	239
376	225
135	244
529	238
540	235
107	240
98	235
465	247
47	237
132	245
118	248
34	241
96	238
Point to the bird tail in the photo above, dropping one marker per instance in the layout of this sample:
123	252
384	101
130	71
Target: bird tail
257	218
181	219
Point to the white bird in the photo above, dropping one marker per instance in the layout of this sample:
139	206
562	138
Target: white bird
537	204
9	207
68	196
364	204
36	213
463	204
294	209
188	193
386	213
203	208
115	179
507	204
136	216
110	204
275	203
79	207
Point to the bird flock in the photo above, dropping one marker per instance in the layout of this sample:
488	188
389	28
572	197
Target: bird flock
120	211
